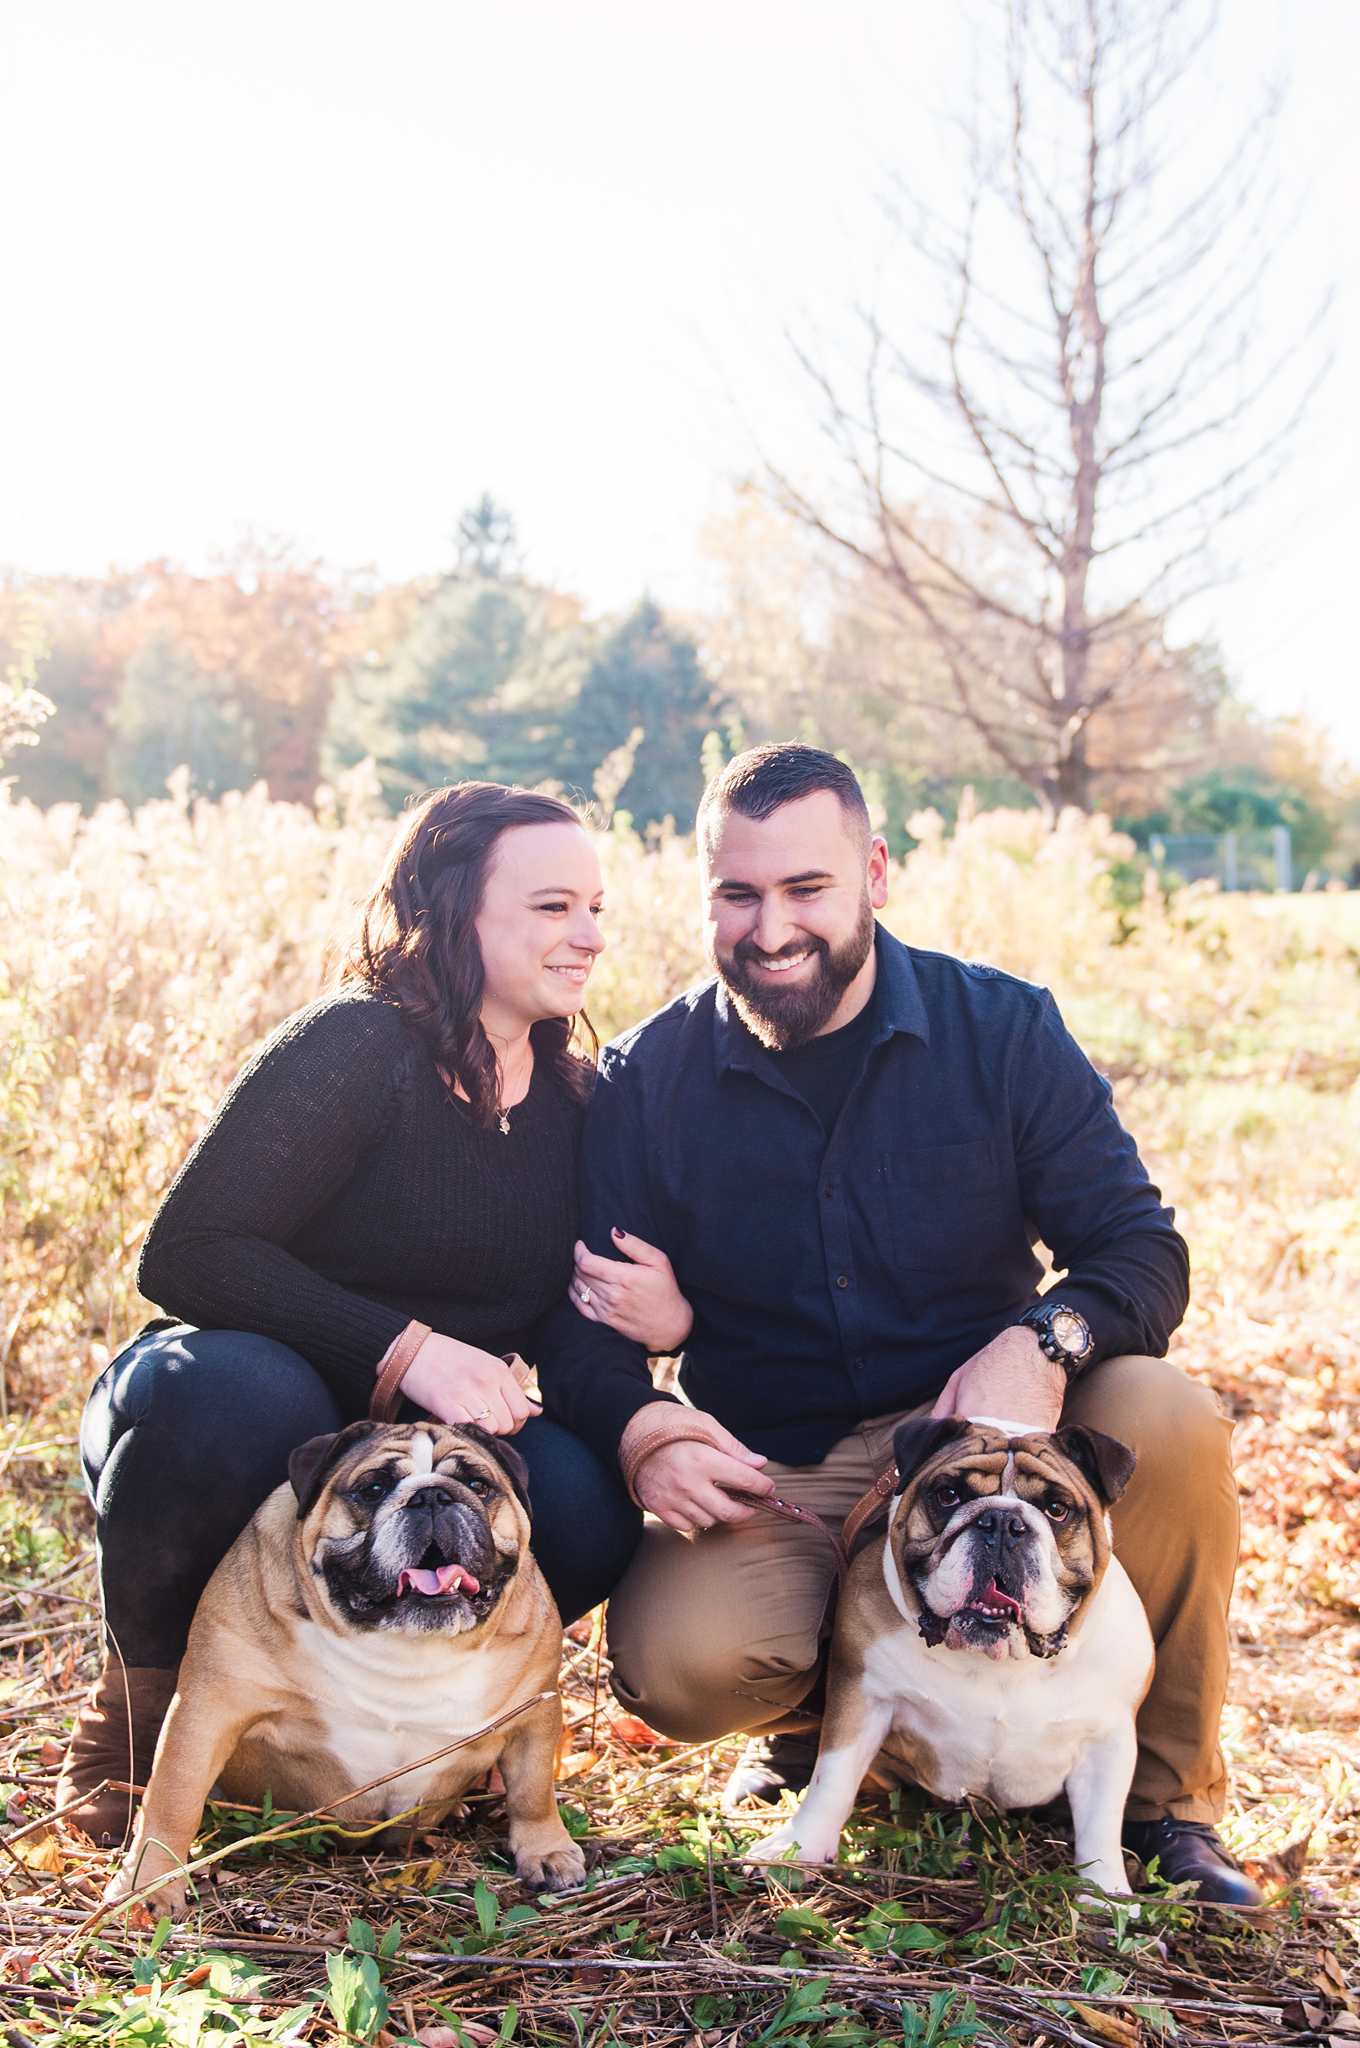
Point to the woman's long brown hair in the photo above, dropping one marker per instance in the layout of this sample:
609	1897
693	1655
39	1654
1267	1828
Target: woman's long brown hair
416	939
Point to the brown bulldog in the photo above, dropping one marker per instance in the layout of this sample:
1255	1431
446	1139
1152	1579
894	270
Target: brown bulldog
992	1642
379	1605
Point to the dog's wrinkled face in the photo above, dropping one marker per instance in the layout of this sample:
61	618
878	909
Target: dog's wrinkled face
1001	1539
411	1526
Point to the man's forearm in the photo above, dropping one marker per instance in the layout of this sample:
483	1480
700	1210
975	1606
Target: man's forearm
1133	1293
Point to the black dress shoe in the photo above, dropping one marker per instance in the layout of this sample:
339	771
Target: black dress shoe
1191	1851
769	1765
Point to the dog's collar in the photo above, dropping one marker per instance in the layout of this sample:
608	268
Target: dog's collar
1010	1428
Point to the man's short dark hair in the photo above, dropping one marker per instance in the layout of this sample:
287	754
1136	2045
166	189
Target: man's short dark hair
760	781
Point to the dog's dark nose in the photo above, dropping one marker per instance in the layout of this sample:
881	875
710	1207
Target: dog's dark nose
431	1498
994	1526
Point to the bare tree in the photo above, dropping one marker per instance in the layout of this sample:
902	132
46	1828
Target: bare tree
1101	372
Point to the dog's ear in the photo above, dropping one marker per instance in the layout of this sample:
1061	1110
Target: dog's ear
1108	1465
919	1439
312	1461
508	1458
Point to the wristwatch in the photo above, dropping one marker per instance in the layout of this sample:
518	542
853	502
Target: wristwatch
1064	1335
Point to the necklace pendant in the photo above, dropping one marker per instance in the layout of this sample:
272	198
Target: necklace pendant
505	1125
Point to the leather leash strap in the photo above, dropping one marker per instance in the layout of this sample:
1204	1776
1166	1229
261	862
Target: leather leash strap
773	1506
685	1427
866	1509
386	1397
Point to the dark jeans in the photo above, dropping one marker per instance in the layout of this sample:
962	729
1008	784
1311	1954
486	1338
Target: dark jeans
187	1431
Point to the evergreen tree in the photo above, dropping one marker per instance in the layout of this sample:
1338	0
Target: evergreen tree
486	540
645	674
170	714
479	686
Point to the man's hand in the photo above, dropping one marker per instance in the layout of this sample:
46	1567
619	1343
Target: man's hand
457	1383
640	1299
683	1484
1010	1378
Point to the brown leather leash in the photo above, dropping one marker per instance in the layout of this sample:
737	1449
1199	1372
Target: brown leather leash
681	1426
866	1510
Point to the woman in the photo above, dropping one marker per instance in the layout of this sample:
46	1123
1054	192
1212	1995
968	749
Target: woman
391	1182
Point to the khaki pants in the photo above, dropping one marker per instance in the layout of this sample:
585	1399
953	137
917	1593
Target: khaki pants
725	1632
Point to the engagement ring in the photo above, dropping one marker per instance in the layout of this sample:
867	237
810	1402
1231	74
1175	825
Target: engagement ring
584	1293
480	1413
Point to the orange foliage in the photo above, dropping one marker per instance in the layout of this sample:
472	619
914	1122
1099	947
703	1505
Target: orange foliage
274	626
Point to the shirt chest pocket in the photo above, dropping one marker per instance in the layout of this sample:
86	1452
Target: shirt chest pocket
948	1205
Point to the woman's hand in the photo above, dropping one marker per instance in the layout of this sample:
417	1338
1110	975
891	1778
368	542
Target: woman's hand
639	1299
685	1484
457	1383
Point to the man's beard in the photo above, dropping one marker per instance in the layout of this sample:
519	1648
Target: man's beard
782	1018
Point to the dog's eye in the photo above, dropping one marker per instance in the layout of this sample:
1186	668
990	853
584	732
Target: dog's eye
481	1487
1057	1509
947	1496
372	1489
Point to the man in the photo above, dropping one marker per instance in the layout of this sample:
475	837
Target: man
844	1150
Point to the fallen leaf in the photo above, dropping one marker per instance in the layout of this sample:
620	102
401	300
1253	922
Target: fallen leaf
577	1765
41	1853
636	1733
1286	1865
17	1962
51	1754
1108	2025
444	2037
1345	2023
417	1876
1332	1971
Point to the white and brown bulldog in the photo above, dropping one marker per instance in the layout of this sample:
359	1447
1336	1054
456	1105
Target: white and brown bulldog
381	1604
992	1643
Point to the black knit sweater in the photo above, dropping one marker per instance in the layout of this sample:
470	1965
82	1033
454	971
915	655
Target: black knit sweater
338	1194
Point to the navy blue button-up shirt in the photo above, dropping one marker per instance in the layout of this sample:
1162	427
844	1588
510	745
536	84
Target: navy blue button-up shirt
837	1275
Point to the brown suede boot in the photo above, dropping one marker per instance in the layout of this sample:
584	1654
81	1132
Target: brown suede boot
114	1737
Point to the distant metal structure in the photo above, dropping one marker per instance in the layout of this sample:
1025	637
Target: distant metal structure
1236	860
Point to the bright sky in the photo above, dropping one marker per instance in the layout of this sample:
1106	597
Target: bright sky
330	268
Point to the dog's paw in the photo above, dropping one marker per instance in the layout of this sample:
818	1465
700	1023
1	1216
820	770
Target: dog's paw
149	1864
1113	1894
168	1901
552	1869
787	1845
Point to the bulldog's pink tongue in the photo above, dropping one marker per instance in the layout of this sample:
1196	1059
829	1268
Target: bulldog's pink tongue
446	1578
995	1598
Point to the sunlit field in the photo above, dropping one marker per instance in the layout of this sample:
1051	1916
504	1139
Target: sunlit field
142	960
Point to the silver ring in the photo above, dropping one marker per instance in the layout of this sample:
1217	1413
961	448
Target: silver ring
583	1293
480	1413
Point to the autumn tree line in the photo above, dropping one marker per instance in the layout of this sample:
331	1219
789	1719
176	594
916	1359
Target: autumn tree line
269	667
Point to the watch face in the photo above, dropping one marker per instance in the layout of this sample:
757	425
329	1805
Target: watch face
1070	1331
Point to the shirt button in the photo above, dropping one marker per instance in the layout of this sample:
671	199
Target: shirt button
859	1364
829	1190
841	1280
